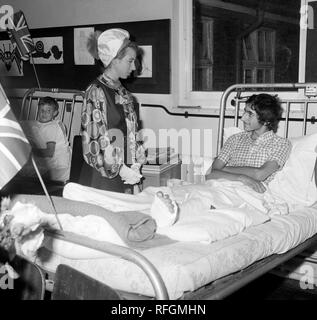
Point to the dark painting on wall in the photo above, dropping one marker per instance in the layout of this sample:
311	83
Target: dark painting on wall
153	37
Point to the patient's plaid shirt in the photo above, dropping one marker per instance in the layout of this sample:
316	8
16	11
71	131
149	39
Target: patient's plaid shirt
240	150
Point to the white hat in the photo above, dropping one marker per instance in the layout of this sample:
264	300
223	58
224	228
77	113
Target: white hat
109	44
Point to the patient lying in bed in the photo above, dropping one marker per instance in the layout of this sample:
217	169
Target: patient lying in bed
208	212
205	213
193	219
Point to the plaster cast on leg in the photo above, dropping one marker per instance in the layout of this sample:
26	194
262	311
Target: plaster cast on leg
164	210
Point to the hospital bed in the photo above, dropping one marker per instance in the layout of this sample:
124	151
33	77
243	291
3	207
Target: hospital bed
189	270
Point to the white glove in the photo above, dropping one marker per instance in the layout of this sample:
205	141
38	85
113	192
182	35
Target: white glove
130	175
136	168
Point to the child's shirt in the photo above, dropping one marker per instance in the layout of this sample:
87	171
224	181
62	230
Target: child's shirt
39	134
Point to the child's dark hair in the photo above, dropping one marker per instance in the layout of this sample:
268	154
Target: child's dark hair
49	101
268	109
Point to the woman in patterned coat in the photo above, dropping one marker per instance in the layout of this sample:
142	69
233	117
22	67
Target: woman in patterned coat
109	124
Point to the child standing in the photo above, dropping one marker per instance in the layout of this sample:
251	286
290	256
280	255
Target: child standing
49	142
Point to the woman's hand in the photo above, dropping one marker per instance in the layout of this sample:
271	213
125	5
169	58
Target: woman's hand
130	175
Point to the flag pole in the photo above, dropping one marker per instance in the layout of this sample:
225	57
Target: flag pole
37	78
46	192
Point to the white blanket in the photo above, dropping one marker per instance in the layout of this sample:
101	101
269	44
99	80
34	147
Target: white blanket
237	207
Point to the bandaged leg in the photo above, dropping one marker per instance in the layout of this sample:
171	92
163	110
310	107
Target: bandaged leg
164	210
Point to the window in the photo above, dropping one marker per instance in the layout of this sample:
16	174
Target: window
258	52
222	43
203	54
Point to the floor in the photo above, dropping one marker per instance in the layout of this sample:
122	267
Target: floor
272	287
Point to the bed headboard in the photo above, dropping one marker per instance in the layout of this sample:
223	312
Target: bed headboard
240	92
70	104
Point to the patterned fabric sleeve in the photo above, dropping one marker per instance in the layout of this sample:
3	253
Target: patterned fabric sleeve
227	149
98	150
281	151
135	140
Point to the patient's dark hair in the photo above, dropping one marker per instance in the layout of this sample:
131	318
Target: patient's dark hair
50	101
268	109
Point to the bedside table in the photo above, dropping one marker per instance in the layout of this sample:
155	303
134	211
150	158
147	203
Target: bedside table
157	175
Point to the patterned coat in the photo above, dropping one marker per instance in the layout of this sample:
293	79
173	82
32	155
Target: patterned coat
109	128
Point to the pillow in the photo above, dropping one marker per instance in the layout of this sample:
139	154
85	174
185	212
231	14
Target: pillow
295	183
305	143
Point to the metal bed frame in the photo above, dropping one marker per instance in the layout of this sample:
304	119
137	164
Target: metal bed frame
222	287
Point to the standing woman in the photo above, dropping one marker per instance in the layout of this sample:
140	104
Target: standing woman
109	124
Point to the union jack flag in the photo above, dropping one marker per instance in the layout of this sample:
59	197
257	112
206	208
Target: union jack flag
14	146
20	35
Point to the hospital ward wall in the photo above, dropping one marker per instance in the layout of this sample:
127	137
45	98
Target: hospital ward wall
47	14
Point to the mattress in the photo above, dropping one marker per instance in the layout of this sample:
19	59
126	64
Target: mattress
187	266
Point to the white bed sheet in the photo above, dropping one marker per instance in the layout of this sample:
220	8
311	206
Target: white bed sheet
187	266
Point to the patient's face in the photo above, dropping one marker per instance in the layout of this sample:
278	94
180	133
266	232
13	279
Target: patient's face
46	113
250	119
